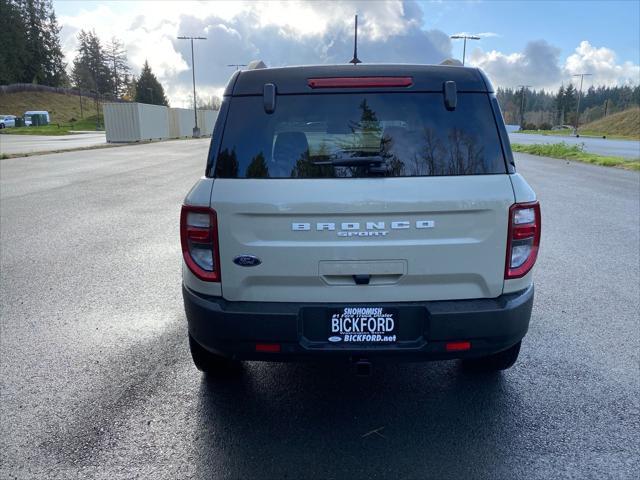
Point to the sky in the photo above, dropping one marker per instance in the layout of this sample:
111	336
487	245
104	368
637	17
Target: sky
538	43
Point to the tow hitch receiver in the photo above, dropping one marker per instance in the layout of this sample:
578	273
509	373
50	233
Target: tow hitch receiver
362	367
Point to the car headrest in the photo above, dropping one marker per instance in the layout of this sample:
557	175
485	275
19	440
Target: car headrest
401	142
289	147
394	132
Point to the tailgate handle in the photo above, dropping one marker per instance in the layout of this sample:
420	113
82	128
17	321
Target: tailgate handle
362	279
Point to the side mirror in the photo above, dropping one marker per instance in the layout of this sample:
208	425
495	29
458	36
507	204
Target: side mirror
269	97
450	92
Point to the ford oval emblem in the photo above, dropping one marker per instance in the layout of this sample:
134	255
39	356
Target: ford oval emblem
335	339
247	261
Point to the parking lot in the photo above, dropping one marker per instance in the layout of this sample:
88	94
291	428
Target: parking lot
97	381
16	144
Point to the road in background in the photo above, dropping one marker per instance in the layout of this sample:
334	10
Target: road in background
96	379
15	144
601	146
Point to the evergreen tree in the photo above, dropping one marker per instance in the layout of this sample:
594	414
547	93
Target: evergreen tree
30	39
129	88
569	103
116	57
54	66
558	104
13	41
257	167
34	27
91	68
149	89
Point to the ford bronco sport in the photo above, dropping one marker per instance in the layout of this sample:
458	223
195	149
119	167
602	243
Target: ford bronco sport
358	213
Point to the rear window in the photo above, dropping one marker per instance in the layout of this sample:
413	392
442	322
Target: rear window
359	135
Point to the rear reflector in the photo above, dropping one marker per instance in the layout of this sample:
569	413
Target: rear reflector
458	346
359	82
268	347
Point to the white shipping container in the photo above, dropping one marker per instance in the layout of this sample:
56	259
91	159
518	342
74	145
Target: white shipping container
135	122
180	122
206	121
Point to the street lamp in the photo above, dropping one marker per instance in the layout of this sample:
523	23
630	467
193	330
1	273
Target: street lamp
581	75
465	37
196	130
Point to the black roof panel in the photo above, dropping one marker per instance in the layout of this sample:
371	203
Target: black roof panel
426	78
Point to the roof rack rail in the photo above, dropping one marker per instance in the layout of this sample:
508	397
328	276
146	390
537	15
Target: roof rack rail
256	64
451	62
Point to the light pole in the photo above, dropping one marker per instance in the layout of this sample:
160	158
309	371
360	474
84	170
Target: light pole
82	113
237	65
522	105
465	37
150	90
196	130
581	75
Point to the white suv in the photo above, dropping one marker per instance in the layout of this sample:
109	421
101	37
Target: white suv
361	213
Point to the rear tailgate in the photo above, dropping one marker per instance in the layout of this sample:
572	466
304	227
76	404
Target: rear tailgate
420	238
362	197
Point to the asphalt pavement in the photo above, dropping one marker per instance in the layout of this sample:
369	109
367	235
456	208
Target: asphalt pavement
600	146
15	144
96	379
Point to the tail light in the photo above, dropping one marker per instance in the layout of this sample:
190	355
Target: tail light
523	240
199	238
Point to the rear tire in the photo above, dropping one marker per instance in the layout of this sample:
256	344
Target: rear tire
212	364
493	363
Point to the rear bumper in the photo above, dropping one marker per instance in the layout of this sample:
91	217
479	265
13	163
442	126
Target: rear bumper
232	329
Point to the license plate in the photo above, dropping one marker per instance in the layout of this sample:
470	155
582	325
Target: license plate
374	325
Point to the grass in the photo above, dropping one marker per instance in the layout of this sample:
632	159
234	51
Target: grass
623	125
583	133
88	124
61	107
577	153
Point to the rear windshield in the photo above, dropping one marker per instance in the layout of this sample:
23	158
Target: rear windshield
359	135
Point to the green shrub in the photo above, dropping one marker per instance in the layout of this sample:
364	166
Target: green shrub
576	152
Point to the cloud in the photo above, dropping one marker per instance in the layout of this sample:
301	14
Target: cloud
279	33
296	32
240	40
601	63
537	65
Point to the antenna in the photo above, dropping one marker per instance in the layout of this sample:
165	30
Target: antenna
355	60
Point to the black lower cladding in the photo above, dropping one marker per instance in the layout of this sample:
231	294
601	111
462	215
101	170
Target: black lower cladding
302	330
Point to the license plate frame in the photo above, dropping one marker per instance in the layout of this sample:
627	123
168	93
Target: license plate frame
362	325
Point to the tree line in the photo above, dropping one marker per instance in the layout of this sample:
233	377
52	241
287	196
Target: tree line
104	68
543	109
30	52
